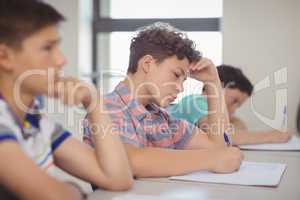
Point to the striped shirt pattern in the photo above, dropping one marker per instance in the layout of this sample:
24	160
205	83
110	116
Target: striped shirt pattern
37	136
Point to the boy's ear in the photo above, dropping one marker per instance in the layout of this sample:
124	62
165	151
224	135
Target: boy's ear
5	57
146	62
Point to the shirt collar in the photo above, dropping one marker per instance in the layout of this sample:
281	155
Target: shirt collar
134	106
31	118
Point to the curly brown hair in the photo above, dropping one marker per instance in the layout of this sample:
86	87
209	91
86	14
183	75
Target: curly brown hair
161	41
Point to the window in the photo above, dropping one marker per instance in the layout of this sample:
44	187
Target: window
164	9
116	20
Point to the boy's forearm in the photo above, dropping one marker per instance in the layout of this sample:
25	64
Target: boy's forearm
247	137
54	191
158	162
75	191
109	149
218	120
28	181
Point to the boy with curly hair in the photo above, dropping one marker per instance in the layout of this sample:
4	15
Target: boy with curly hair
157	144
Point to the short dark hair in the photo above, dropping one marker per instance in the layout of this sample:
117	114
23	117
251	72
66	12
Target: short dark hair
21	18
161	41
233	77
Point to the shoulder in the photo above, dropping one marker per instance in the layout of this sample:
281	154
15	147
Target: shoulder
193	101
8	127
6	117
193	97
112	101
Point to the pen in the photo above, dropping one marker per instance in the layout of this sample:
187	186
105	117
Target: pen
284	120
226	138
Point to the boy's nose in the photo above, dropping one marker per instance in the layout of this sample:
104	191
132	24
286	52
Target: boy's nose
60	60
179	87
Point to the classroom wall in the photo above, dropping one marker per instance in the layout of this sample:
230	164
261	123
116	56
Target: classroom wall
262	37
70	32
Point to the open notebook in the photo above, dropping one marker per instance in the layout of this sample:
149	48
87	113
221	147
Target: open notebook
292	145
250	173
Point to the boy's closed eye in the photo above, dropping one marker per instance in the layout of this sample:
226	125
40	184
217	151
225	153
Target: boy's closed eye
180	73
51	45
48	47
176	74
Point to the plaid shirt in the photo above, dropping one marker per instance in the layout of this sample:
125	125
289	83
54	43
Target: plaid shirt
143	126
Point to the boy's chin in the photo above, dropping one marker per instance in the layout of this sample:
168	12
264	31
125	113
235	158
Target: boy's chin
164	104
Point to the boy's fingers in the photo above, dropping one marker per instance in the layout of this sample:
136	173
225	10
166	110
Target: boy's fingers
203	63
72	91
201	66
199	63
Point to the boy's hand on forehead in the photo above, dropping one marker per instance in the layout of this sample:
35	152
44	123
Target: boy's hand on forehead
204	70
72	91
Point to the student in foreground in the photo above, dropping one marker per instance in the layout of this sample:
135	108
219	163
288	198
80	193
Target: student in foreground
237	89
157	144
29	142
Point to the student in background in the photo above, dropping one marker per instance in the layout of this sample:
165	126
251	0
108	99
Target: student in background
29	142
157	144
237	89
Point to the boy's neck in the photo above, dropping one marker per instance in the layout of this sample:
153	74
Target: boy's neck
16	104
138	89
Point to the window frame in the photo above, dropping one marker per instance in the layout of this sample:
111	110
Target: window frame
108	25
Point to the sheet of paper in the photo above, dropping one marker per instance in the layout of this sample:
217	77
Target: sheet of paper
137	197
292	145
250	173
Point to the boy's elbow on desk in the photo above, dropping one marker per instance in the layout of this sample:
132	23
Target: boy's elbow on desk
117	183
122	184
